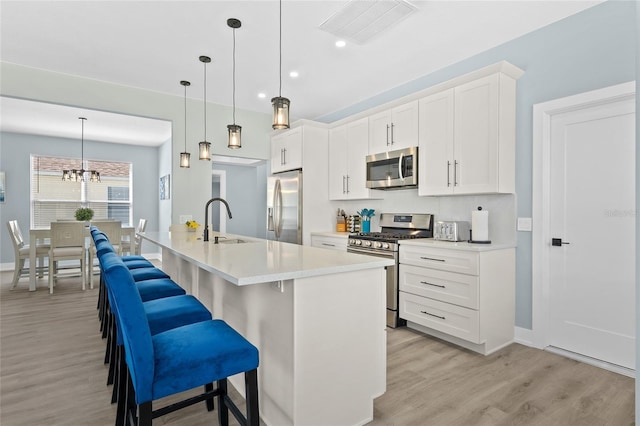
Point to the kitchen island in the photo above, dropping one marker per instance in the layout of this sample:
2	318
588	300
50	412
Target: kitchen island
317	317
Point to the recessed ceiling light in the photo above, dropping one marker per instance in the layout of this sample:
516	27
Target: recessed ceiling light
293	74
262	95
341	43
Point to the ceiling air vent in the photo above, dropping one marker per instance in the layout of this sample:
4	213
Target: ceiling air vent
361	20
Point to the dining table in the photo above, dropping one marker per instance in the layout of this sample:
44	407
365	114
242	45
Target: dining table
43	233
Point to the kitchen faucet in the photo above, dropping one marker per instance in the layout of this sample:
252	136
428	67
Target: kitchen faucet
206	215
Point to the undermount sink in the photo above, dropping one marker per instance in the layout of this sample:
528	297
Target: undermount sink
231	241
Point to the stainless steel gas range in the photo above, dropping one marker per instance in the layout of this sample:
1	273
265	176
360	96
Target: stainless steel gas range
394	227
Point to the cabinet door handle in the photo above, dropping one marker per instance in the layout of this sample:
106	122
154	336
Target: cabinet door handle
392	141
432	284
347	184
448	175
455	173
432	258
327	244
281	157
433	315
284	155
387	135
344	190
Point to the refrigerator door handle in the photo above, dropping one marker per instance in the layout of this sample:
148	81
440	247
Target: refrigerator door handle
277	207
270	225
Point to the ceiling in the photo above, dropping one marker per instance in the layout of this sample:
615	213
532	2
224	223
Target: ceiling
154	44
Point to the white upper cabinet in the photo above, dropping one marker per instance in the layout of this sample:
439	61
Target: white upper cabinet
467	138
286	151
395	128
348	148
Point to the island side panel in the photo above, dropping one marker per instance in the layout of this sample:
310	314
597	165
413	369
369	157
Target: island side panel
340	347
263	314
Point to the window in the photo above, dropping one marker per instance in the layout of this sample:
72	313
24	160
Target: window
53	199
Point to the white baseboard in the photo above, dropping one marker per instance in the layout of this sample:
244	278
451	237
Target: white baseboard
592	361
524	336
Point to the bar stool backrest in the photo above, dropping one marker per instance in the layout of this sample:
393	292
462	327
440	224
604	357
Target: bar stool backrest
136	335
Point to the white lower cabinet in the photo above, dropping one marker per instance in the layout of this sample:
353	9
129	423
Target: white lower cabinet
462	295
330	241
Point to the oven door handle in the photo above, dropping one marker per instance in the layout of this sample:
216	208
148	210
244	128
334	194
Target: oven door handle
386	255
400	163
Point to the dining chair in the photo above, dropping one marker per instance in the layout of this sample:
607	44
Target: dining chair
135	247
67	243
22	251
113	230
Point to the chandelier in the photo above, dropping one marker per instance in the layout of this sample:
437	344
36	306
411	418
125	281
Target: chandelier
75	175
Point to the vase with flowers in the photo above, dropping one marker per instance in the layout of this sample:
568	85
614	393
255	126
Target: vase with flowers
192	225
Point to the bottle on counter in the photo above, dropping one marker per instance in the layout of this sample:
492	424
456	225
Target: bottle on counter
341	225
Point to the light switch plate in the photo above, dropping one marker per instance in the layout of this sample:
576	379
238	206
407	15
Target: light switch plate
524	224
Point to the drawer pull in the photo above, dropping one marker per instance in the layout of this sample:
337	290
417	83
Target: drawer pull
431	258
327	244
435	285
433	315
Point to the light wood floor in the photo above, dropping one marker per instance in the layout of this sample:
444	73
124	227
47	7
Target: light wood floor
51	373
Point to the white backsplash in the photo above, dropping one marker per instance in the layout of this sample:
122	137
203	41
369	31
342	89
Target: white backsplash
501	208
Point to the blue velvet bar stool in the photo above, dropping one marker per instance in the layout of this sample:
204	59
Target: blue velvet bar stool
132	262
160	286
162	314
179	359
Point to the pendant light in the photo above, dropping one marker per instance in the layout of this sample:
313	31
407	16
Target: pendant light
185	157
205	147
75	175
235	131
280	104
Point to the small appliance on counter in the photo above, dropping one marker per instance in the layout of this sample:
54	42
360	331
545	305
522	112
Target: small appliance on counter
451	231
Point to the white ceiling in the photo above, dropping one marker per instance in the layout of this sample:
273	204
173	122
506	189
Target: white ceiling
155	44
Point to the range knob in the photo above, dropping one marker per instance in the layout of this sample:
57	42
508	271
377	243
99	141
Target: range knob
385	245
377	244
358	242
366	243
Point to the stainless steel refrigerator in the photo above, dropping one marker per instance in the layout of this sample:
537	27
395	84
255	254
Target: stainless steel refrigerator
284	207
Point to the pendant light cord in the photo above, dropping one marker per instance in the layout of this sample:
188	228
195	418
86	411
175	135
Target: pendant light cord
185	118
205	101
234	76
280	40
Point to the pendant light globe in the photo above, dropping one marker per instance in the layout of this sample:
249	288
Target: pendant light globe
185	157
204	147
280	104
235	131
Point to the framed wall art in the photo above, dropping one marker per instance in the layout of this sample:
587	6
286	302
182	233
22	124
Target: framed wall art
3	185
165	187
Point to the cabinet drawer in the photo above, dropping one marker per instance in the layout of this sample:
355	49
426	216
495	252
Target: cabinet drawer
332	243
450	287
463	262
454	320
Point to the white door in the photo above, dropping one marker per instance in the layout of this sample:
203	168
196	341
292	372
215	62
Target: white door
592	217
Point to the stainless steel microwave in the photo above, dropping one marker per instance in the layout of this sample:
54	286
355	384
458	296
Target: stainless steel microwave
393	169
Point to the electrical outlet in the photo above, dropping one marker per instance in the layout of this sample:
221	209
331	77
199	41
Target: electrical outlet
185	217
524	224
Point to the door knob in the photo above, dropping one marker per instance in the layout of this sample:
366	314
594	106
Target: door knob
558	242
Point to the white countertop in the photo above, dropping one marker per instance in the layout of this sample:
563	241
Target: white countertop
462	245
260	261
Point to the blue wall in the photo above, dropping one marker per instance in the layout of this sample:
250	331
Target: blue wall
15	152
586	51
